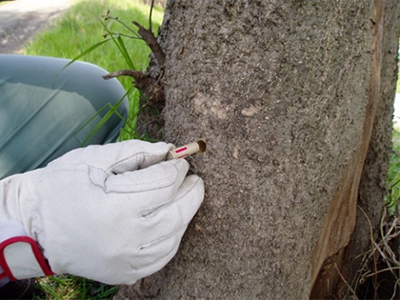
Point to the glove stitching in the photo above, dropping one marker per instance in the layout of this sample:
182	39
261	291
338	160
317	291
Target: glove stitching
151	209
143	158
167	204
146	183
36	231
81	170
165	237
155	261
170	182
183	195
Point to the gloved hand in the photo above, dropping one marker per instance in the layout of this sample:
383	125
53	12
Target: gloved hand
113	213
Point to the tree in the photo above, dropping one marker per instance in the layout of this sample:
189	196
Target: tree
295	101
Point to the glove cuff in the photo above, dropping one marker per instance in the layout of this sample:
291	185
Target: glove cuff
20	255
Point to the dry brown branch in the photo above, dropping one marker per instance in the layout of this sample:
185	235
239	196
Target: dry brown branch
389	230
151	41
151	89
345	281
369	254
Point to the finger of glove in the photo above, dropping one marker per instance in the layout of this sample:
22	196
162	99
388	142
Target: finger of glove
151	263
149	188
175	215
158	176
132	270
118	157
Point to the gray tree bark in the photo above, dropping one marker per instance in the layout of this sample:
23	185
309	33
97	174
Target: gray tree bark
287	95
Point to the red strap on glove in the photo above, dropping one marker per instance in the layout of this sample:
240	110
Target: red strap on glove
21	251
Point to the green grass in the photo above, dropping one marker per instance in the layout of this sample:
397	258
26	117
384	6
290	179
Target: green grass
81	27
393	182
398	77
76	31
72	287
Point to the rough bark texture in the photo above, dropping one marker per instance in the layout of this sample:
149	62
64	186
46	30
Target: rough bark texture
285	93
375	146
373	180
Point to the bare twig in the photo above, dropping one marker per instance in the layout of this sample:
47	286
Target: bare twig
153	91
117	34
144	34
395	289
381	271
389	231
345	281
139	77
151	41
372	251
123	24
151	13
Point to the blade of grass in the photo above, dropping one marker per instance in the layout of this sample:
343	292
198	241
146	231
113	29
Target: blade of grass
104	119
121	46
125	52
87	51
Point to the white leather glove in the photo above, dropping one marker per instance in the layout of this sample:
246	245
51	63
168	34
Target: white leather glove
113	213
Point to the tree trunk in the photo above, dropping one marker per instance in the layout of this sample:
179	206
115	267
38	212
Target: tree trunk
286	94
